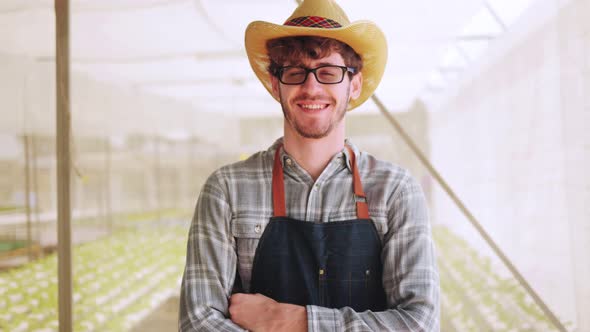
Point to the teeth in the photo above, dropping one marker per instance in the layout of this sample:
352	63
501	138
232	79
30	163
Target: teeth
313	107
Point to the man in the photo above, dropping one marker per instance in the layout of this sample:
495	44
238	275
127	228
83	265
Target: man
287	240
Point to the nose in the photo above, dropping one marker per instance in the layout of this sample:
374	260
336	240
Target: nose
311	83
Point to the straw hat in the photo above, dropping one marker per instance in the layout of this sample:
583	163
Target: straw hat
322	18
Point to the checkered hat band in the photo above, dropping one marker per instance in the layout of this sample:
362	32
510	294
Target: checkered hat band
314	22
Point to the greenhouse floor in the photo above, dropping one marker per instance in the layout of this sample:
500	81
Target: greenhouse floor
164	318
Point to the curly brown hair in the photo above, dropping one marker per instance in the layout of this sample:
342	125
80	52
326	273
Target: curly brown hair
293	50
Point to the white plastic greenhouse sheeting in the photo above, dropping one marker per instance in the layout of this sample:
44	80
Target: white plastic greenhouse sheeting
192	50
27	91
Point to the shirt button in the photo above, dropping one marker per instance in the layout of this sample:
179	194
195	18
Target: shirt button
289	162
257	228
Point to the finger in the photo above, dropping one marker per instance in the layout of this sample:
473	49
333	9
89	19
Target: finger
236	298
234	306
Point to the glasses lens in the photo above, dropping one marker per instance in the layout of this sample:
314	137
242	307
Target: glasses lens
330	74
324	74
293	75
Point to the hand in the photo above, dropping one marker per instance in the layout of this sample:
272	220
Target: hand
258	313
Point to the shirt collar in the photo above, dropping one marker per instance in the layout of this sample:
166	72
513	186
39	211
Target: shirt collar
344	153
347	156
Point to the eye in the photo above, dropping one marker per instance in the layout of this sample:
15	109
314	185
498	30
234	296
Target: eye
327	73
293	72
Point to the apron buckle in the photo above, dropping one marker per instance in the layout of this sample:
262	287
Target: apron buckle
358	198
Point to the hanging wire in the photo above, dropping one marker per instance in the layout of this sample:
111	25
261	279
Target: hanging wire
190	82
203	12
151	58
496	16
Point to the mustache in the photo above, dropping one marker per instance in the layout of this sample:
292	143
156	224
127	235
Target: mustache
308	97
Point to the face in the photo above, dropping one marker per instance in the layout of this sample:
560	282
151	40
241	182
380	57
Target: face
312	109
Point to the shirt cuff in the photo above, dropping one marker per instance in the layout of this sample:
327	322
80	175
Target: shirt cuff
323	319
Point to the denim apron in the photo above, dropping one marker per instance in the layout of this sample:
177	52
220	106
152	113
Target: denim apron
335	264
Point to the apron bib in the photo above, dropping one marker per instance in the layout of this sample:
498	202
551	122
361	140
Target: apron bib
335	264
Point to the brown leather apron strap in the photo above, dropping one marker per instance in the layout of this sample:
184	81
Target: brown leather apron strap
278	187
362	208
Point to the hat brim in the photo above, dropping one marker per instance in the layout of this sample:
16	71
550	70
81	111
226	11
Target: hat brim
363	36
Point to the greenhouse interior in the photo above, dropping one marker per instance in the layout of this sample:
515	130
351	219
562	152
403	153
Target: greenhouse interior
486	103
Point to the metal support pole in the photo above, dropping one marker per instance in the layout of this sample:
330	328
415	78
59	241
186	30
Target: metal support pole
107	184
64	239
37	207
27	170
468	214
191	169
100	197
157	147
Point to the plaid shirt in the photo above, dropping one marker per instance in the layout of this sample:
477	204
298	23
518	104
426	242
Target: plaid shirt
235	205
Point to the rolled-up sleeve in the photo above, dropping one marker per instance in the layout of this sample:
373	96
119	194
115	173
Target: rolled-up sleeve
210	264
410	275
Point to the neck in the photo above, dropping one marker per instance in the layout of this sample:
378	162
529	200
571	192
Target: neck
314	154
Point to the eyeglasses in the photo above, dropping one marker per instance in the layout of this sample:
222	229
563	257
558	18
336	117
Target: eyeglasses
326	74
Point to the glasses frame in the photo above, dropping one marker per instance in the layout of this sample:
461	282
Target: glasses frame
345	69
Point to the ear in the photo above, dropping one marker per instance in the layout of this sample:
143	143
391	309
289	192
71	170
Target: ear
274	81
356	85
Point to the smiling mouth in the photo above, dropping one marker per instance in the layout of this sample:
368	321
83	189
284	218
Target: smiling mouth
313	107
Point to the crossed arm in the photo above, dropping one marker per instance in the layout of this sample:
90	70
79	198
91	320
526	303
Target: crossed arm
409	276
256	312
